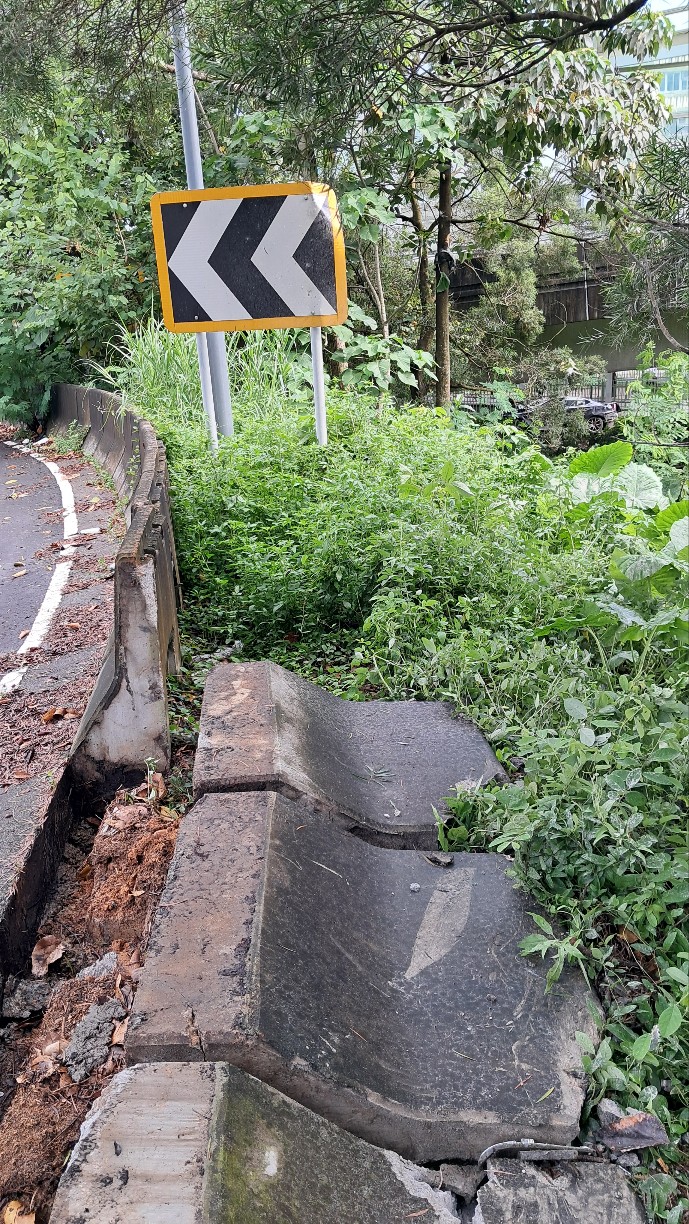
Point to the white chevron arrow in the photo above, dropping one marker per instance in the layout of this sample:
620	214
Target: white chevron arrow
189	261
274	255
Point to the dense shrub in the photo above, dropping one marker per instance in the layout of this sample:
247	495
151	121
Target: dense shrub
75	251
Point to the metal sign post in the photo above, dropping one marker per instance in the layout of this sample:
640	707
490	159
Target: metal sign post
319	385
243	258
215	386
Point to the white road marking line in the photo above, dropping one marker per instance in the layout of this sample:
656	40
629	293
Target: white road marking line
51	600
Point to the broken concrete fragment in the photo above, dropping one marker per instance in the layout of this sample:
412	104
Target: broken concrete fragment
380	766
290	948
207	1144
90	1041
609	1111
462	1179
141	1151
594	1193
100	968
26	998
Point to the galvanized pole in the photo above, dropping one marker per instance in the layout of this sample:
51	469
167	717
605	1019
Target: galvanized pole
215	386
319	385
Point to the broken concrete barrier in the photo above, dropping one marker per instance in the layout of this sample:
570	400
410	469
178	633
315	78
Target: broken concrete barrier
190	1144
381	990
379	765
126	721
558	1194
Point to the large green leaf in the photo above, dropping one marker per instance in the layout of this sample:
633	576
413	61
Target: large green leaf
679	533
635	566
676	510
640	487
603	460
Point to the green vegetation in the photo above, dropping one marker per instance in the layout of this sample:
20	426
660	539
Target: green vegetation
75	251
427	552
421	556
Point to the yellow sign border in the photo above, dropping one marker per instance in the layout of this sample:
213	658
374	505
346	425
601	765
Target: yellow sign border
233	193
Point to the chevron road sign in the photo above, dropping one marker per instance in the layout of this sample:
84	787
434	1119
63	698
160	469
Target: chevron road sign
239	258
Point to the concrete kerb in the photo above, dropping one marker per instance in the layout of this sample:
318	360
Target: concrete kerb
126	720
36	821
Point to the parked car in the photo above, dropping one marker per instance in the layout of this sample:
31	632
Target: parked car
597	414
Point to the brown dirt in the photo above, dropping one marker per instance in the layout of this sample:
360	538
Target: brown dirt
104	900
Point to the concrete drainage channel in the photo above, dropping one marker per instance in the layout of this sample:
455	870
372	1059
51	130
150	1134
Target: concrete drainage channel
333	1021
125	722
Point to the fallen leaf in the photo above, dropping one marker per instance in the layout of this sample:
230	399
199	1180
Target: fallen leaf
546	1094
25	633
42	1068
158	782
120	1032
49	715
632	1132
19	564
72	625
19	574
628	936
137	892
21	775
48	950
55	1048
14	1214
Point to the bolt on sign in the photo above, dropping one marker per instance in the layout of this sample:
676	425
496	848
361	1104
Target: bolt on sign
240	258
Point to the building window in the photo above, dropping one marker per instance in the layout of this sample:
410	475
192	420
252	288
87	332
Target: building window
675	82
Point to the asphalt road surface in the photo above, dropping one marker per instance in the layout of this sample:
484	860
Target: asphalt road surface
30	521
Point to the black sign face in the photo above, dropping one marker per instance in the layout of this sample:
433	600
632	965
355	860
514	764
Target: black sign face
249	257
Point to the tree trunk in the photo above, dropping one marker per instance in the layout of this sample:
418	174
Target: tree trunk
427	326
334	348
443	266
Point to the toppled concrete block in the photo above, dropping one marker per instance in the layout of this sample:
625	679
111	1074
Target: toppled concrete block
207	1144
296	951
594	1193
380	766
90	1040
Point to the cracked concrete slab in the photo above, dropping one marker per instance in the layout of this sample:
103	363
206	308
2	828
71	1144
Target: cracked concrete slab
381	766
380	990
207	1144
556	1194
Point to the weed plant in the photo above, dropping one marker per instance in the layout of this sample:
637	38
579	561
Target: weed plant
419	558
